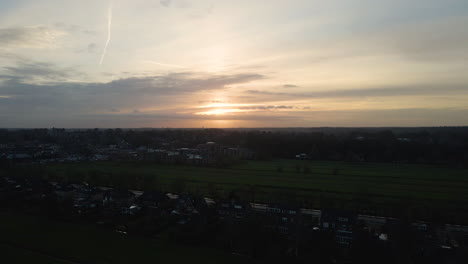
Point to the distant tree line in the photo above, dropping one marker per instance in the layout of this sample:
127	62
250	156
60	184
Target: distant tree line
442	145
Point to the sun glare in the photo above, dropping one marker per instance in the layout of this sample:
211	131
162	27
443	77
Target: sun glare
213	105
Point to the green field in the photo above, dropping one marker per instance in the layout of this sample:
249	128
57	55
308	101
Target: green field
29	239
311	182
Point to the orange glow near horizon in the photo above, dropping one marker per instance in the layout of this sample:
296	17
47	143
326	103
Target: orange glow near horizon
212	105
221	111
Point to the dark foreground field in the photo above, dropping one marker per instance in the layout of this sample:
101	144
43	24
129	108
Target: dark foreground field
30	239
377	188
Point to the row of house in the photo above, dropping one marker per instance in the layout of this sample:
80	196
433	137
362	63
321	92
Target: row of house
129	210
203	154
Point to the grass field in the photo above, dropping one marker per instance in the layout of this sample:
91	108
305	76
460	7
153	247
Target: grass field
420	184
29	239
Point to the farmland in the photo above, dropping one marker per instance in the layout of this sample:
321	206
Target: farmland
314	183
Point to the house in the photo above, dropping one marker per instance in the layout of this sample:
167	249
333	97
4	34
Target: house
311	217
131	210
152	199
232	209
19	156
341	224
240	153
118	199
189	205
64	191
209	149
153	203
284	219
375	224
87	199
302	156
190	209
12	191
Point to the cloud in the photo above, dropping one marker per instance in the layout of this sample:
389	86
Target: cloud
190	9
37	37
409	90
266	107
66	101
8	56
440	39
290	86
165	3
92	47
443	39
162	100
345	118
30	71
163	64
178	3
386	117
68	27
184	82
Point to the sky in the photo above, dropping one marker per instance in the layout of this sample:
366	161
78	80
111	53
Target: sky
243	63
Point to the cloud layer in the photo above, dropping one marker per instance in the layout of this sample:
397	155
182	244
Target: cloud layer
242	63
35	37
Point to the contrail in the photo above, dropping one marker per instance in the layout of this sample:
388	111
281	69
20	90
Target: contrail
109	31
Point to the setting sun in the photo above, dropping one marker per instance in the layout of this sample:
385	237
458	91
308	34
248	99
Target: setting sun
220	111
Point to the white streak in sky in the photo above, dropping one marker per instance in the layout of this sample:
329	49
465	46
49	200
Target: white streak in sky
109	30
163	64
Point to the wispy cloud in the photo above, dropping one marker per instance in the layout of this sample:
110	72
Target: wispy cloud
165	3
408	90
290	86
267	107
34	37
163	64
